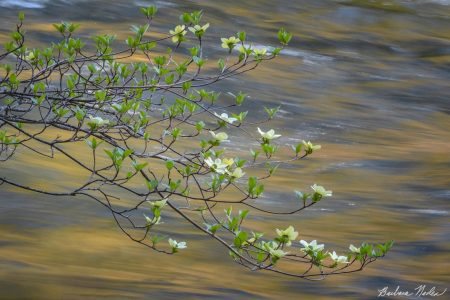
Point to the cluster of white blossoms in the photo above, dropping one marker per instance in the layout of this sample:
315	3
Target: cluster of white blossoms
216	165
180	31
274	251
312	248
288	235
231	42
224	166
220	166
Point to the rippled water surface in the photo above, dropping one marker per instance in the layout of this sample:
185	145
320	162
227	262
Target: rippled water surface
369	80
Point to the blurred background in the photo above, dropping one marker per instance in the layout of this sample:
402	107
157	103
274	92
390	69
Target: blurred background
368	80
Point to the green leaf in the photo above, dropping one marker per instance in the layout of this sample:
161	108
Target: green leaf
156	239
176	132
284	37
93	143
152	184
239	162
110	154
174	185
169	164
100	95
297	148
198	61
259	190
139	166
221	64
194	51
72	27
240	238
254	154
272	169
228	211
276	51
242	36
169	79
149	12
186	18
127	153
271	111
200	125
241	116
240	98
252	181
79	113
61	28
213	228
243	214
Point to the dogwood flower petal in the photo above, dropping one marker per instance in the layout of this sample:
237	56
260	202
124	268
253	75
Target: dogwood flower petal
226	118
221	136
269	135
321	191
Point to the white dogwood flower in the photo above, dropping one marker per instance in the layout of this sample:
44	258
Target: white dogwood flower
216	165
354	249
178	33
338	258
288	235
229	43
310	147
221	136
277	253
313	246
260	51
95	122
269	135
199	30
177	245
318	189
226	118
159	204
228	161
237	173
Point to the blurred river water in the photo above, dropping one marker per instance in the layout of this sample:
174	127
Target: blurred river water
368	80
